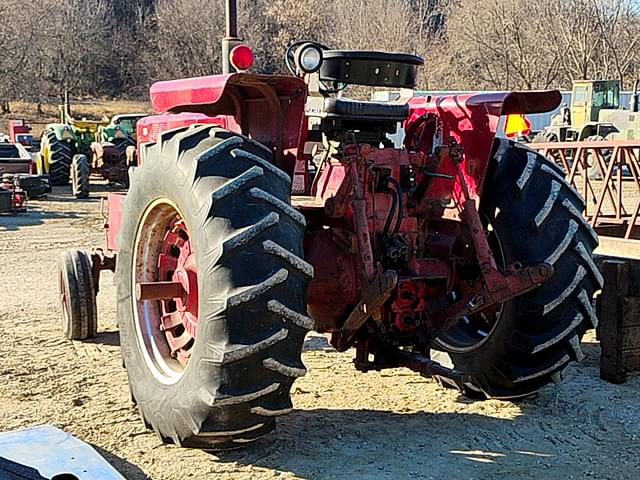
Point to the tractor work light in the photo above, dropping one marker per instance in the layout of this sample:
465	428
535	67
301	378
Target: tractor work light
308	57
242	57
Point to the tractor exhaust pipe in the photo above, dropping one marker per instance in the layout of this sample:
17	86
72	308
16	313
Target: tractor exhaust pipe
635	97
230	39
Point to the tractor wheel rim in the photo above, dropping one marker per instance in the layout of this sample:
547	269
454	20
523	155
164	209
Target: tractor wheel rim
166	328
473	331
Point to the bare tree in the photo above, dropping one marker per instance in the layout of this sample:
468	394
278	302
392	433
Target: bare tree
618	25
17	37
118	47
501	44
72	45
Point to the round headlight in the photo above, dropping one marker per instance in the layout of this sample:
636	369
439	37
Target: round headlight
309	58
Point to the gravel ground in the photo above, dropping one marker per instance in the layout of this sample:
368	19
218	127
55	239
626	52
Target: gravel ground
345	424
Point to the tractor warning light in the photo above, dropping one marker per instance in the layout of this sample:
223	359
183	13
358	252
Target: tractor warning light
517	125
242	57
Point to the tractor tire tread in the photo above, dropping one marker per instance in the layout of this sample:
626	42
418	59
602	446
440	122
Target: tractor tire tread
80	176
60	162
540	219
232	380
74	268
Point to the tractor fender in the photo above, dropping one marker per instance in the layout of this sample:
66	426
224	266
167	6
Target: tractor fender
597	128
267	108
131	156
97	152
470	120
215	94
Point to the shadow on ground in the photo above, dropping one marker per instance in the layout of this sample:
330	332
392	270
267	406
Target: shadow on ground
127	469
557	433
34	216
366	444
106	338
63	194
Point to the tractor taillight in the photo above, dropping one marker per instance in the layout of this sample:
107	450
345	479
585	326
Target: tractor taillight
242	57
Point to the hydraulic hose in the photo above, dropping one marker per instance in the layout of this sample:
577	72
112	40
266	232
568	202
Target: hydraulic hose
398	191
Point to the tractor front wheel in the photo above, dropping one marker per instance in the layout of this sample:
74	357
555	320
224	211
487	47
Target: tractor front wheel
80	173
211	288
77	295
532	215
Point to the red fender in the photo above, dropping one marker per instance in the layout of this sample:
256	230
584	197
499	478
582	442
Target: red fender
267	108
471	119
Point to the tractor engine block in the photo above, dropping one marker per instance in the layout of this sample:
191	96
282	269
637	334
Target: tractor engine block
389	182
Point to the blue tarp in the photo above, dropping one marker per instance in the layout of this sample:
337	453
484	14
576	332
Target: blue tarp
46	453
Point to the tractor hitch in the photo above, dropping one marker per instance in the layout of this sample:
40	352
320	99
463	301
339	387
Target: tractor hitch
388	356
374	295
429	368
516	282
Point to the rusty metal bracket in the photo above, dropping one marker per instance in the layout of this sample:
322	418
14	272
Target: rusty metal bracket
101	261
374	295
516	282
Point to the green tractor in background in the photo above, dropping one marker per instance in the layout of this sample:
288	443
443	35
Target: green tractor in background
74	148
121	130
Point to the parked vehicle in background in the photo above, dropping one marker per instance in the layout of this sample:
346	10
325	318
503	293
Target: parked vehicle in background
74	148
595	113
20	132
14	158
16	164
121	126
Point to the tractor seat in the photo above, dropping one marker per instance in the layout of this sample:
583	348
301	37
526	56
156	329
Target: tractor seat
355	110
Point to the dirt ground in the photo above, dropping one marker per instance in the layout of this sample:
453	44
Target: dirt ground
393	424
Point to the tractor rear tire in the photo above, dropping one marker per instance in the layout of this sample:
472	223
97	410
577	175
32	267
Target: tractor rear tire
537	217
80	173
60	159
77	295
251	312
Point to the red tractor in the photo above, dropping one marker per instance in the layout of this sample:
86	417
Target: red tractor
265	206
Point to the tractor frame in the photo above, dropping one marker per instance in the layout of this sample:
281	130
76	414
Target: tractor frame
270	109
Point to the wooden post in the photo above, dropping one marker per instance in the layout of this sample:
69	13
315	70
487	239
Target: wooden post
611	317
